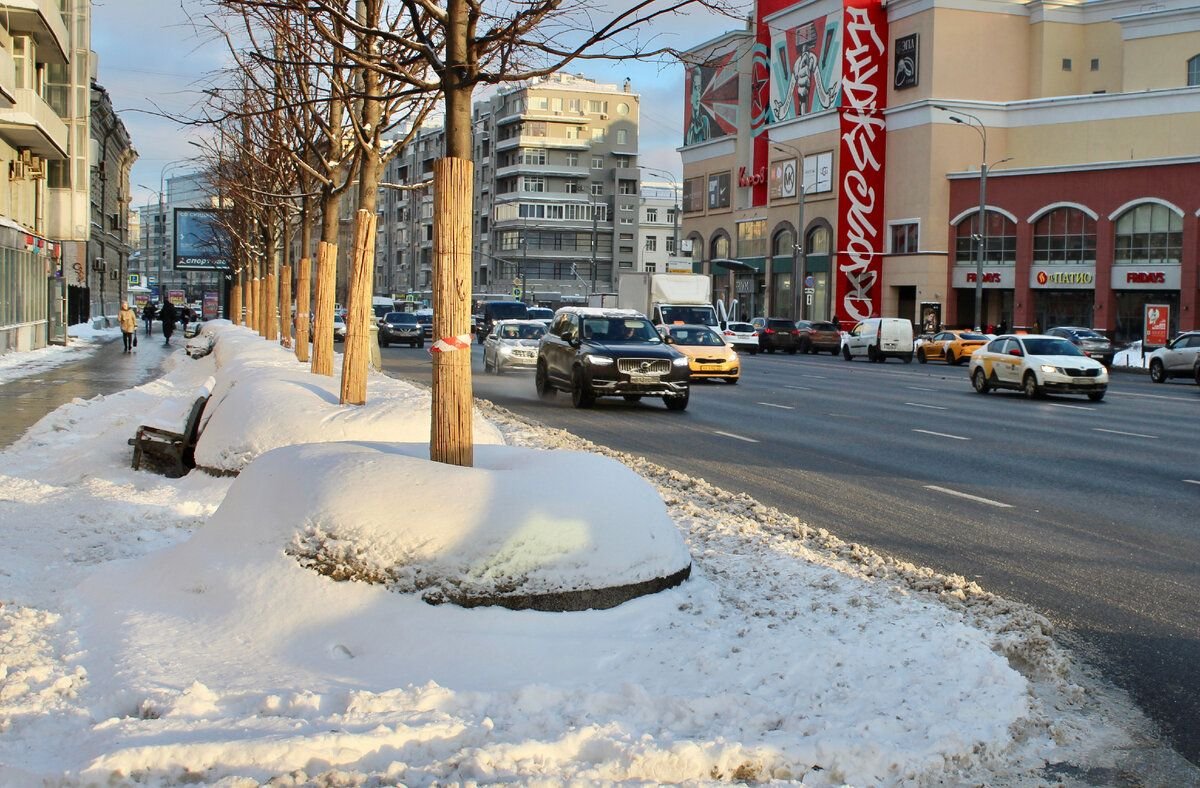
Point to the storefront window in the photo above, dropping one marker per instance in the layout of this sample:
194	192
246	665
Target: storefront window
781	244
752	238
720	247
1147	234
818	241
1065	235
1001	239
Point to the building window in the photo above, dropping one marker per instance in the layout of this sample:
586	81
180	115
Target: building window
783	244
1066	64
1064	235
627	187
719	247
622	136
572	159
693	194
904	238
571	187
597	107
622	161
597	189
670	244
651	215
752	238
1193	71
532	156
509	240
1149	234
718	190
651	243
651	266
670	216
1001	239
626	220
597	135
556	104
1095	64
533	183
572	132
597	162
539	102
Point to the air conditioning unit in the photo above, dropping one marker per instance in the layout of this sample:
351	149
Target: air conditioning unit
603	116
26	156
558	112
36	169
16	170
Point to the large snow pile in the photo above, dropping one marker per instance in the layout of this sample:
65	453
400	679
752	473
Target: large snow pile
265	399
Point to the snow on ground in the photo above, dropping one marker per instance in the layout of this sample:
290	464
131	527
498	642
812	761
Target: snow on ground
158	631
84	339
1132	357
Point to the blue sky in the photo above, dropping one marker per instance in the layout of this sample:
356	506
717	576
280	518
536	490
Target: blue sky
162	63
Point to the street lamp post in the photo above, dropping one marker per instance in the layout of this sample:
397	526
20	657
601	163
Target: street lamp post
981	236
799	252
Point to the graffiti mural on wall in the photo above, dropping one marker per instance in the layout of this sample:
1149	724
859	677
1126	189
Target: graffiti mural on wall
806	67
711	111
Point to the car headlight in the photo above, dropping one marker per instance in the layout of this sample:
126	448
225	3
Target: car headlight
681	361
1052	370
599	361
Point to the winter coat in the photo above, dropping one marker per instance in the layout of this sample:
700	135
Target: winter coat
128	320
169	316
149	312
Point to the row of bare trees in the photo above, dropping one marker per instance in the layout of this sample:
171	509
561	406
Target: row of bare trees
320	94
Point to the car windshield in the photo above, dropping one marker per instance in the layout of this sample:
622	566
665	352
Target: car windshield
781	325
696	315
538	313
401	317
1051	347
741	328
619	329
521	332
973	336
696	336
824	327
338	319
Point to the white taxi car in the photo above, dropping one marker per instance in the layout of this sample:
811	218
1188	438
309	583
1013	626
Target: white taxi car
1037	364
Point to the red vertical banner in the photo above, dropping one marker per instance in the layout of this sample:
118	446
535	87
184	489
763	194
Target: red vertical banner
1156	326
860	230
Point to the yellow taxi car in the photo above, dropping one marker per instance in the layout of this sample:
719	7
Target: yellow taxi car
708	355
953	347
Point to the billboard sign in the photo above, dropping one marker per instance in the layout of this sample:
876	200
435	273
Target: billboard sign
177	297
1156	325
211	308
711	107
201	241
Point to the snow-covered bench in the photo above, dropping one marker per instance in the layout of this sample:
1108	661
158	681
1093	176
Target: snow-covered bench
169	436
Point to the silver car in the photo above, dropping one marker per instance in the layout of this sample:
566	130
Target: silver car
512	344
1176	359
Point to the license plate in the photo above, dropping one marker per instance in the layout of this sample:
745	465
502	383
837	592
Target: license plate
635	377
706	367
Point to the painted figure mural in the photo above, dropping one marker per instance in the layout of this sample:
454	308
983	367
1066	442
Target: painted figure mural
806	68
711	111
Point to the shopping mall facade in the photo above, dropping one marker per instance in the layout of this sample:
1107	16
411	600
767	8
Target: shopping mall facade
1087	116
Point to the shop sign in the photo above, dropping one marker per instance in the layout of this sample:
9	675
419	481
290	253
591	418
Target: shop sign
211	305
906	62
1127	277
1063	277
783	179
748	179
1003	278
862	148
1156	324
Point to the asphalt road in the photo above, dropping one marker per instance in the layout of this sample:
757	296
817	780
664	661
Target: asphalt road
1088	511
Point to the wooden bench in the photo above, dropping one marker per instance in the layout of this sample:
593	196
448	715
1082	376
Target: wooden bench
171	449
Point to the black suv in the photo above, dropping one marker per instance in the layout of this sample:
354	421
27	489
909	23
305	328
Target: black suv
401	328
498	310
1091	342
779	333
609	353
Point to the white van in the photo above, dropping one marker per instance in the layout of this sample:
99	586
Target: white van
879	338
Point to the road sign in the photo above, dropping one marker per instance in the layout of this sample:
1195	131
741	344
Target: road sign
135	280
516	291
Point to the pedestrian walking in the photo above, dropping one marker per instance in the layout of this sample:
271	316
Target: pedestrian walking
169	317
185	316
127	318
148	315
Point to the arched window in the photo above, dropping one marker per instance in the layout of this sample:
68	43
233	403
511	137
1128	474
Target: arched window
1149	233
1193	76
1001	239
719	247
818	241
782	243
1064	235
697	249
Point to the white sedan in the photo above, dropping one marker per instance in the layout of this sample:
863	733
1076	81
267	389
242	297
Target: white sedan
1037	364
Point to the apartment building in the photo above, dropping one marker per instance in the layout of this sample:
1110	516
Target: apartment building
45	72
865	129
658	226
556	193
109	243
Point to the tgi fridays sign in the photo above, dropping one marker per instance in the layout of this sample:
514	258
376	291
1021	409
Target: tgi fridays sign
1128	277
1004	277
1062	277
863	137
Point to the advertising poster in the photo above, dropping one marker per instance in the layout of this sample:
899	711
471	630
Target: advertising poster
212	306
177	297
806	68
710	109
201	242
140	300
1156	325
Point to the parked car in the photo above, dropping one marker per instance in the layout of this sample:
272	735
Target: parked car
593	352
1036	364
546	316
1176	359
708	354
401	328
953	347
1196	369
498	310
512	343
880	338
339	328
819	335
425	318
779	333
1090	341
742	337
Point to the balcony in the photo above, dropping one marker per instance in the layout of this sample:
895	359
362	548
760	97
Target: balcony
8	78
31	123
42	20
560	170
558	143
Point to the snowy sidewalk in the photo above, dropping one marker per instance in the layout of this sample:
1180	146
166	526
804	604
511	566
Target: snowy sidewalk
157	630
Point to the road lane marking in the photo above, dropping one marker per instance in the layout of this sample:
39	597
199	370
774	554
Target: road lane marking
919	388
968	496
1072	407
944	435
799	388
1192	481
735	437
1149	396
773	405
931	407
815	377
1130	434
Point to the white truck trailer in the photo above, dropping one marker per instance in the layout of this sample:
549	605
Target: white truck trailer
668	298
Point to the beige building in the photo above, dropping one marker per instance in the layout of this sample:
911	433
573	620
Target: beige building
45	70
1086	115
